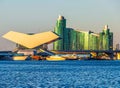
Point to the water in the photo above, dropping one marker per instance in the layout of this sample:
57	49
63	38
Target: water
63	74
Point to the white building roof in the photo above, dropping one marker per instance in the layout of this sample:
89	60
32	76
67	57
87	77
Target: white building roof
31	41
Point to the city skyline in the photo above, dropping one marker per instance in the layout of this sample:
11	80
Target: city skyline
72	39
33	16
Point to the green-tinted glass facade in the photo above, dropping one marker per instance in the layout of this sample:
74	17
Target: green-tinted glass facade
78	45
93	41
100	40
80	40
59	29
73	39
111	40
86	36
66	39
106	39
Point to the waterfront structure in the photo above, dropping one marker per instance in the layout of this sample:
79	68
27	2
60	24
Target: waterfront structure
81	40
68	39
30	44
31	41
60	30
106	39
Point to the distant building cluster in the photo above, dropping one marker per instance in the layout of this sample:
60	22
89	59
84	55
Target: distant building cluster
71	39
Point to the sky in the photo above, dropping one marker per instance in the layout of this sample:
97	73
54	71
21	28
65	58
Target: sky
34	16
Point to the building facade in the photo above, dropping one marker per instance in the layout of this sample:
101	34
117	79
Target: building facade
81	40
106	39
59	30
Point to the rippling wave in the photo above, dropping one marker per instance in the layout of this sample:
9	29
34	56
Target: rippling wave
62	74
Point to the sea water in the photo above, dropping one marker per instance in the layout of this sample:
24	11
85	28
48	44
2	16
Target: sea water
60	74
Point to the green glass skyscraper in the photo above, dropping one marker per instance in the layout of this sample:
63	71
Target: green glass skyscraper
106	39
59	29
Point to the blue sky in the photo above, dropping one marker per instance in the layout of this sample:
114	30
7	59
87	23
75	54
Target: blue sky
40	15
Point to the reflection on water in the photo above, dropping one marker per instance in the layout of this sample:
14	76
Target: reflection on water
62	74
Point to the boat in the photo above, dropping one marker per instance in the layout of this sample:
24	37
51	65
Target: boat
70	57
20	57
55	58
36	57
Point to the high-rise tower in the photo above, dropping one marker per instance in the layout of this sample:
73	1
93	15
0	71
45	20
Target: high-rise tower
59	29
106	39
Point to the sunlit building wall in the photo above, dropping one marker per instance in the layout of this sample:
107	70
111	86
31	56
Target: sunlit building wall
82	41
93	41
73	39
87	41
66	39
